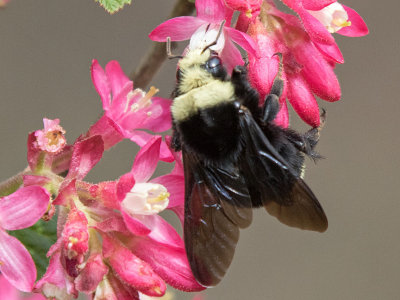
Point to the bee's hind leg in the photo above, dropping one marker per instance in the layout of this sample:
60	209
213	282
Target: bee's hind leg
307	142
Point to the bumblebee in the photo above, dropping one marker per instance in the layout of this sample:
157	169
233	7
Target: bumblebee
235	159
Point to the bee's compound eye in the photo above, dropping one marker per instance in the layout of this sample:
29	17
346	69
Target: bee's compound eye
213	62
215	68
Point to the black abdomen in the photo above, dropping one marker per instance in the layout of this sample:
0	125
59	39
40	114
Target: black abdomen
212	133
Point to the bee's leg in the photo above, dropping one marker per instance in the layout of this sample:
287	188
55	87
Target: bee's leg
307	142
312	136
271	103
246	94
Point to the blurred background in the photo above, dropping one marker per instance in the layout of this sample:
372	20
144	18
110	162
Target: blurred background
46	49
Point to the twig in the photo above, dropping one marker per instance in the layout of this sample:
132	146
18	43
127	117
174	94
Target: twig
154	58
13	183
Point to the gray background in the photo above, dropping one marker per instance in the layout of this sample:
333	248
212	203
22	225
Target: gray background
46	48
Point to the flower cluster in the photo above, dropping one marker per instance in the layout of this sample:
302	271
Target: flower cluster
305	41
111	242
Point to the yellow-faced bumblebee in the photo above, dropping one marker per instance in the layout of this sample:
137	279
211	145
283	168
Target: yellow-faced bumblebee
235	158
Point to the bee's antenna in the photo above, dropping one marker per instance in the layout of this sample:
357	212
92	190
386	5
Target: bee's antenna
169	53
216	39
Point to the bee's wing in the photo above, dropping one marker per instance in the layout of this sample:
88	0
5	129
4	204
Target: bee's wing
217	204
283	194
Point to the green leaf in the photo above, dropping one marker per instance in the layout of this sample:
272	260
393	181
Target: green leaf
113	6
38	239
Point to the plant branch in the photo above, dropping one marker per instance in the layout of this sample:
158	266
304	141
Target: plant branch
152	62
10	185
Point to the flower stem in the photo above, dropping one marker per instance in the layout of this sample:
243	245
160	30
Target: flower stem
13	183
154	58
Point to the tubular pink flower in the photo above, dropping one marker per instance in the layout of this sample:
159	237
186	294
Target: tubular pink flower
55	283
19	210
321	18
75	235
169	262
248	7
307	62
131	269
202	30
111	288
92	274
51	138
126	111
86	154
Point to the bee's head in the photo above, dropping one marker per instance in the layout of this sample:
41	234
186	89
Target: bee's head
198	68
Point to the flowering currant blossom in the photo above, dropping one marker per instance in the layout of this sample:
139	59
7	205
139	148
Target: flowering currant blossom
140	200
202	31
309	52
126	110
19	210
137	247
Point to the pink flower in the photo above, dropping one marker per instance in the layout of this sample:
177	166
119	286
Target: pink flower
248	7
308	62
140	200
321	18
126	111
45	144
20	210
131	269
51	138
202	30
8	292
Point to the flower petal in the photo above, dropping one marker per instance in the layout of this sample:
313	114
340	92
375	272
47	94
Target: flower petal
314	28
212	11
23	208
124	185
317	72
7	291
169	262
109	130
87	153
16	263
357	27
131	269
111	288
243	40
91	275
175	185
116	77
135	224
231	56
178	29
55	283
101	83
302	100
282	118
316	4
142	138
146	160
331	52
161	231
161	121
